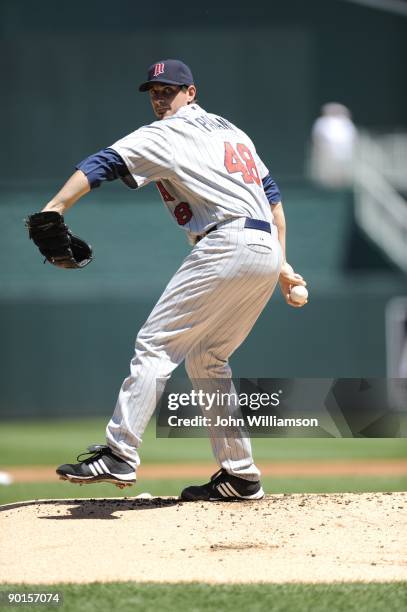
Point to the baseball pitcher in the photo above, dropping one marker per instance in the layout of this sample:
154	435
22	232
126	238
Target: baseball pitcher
217	189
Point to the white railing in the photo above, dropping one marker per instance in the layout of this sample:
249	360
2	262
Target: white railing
380	169
386	153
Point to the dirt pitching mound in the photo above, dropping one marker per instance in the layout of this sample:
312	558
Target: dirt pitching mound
283	538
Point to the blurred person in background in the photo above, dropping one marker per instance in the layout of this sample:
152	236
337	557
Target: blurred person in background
333	141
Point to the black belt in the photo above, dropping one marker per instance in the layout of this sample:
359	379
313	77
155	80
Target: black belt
258	224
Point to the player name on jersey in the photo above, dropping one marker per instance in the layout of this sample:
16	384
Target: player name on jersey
208	124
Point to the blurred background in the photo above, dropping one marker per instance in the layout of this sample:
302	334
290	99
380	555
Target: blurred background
319	86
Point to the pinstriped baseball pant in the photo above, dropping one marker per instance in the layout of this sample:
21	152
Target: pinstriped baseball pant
206	311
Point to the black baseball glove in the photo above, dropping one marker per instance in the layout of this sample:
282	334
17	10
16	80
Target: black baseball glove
56	242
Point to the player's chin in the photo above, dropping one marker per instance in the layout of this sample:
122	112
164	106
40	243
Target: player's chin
161	113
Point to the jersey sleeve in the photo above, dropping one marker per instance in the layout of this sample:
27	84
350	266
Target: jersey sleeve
147	154
271	190
105	165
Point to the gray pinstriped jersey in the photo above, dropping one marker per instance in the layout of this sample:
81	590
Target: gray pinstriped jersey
207	170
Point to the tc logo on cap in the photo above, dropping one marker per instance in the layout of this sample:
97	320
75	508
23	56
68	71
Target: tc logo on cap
158	69
170	71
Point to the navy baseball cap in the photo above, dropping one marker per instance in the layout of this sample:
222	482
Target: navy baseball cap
171	71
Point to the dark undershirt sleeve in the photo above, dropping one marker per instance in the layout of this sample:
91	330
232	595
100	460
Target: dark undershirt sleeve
271	190
105	165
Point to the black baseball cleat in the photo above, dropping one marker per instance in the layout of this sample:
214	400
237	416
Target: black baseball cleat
101	466
224	487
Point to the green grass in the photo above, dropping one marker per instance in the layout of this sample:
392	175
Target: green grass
56	442
55	490
132	597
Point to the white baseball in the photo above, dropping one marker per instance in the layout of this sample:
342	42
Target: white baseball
299	294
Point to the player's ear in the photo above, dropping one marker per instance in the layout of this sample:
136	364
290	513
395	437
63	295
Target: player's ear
191	91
